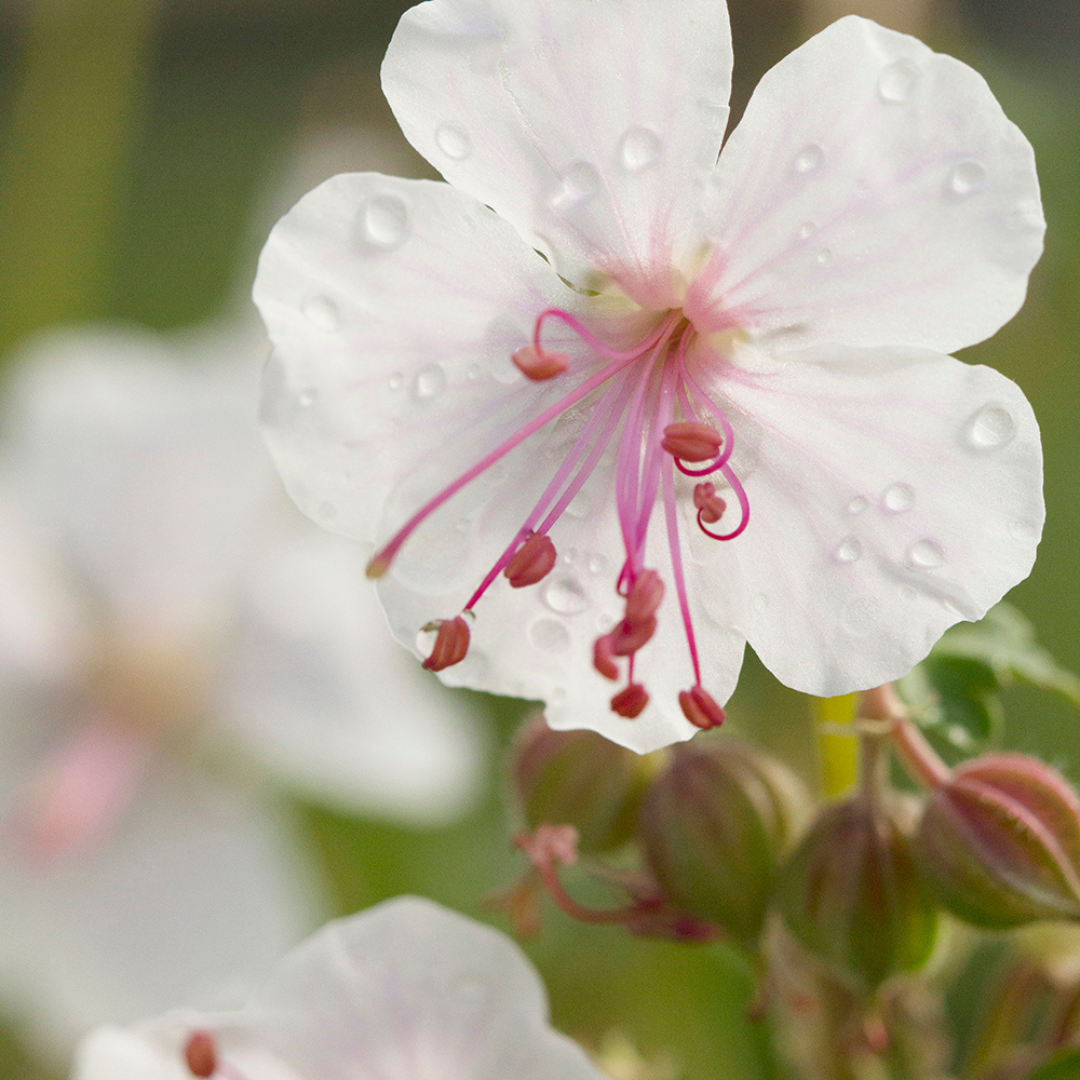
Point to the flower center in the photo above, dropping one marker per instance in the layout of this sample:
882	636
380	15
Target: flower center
650	406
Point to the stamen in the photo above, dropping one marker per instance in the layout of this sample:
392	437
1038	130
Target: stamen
451	643
532	562
537	364
710	506
200	1054
630	701
691	440
744	507
700	708
628	637
604	658
644	597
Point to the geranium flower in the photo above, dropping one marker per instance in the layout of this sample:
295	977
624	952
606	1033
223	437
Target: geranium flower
174	637
610	407
404	991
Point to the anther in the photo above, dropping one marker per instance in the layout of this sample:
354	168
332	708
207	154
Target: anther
200	1054
378	565
700	708
630	701
710	506
692	440
451	643
644	596
531	562
629	636
604	658
539	364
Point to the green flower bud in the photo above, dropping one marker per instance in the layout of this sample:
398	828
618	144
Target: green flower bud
579	778
999	842
851	894
714	827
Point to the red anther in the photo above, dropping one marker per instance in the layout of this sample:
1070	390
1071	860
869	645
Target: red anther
700	708
692	440
629	636
451	643
603	658
531	562
644	597
630	701
539	364
200	1054
709	505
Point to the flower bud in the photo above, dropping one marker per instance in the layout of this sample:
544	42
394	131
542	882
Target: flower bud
579	778
852	895
999	842
713	829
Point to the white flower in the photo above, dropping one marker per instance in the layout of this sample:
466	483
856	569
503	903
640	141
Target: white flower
404	991
518	372
166	620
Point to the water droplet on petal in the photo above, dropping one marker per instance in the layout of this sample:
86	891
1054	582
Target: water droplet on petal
823	257
580	182
638	149
396	381
897	81
990	428
581	505
967	178
306	398
322	312
453	140
384	222
857	505
565	596
1023	531
549	636
597	564
430	382
809	158
473	372
898	498
761	603
925	554
807	230
849	550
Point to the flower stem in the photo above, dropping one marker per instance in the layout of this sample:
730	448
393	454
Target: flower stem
920	760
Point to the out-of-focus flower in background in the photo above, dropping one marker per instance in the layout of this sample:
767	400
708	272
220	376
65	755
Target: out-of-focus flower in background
174	638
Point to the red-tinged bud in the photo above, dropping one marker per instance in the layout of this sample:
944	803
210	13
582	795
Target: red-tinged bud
604	658
701	708
580	778
999	841
451	643
691	440
539	364
714	827
532	562
709	505
200	1054
852	895
628	636
643	600
630	701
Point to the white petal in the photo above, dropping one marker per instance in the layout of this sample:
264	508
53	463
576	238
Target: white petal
892	493
318	689
874	193
593	127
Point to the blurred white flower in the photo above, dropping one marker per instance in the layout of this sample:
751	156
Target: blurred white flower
167	621
404	991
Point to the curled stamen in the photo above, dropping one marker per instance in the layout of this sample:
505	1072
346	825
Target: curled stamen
200	1054
744	507
531	562
604	658
451	643
630	701
709	505
700	708
691	440
539	364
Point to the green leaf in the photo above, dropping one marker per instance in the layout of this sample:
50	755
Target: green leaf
1064	1065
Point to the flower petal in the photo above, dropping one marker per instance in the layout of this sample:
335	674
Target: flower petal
874	193
893	492
593	127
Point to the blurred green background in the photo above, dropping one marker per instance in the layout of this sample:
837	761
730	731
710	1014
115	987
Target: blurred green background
146	147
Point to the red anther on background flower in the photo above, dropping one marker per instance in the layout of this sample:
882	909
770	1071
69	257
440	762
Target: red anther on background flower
700	708
710	506
628	637
604	657
539	364
451	643
643	600
691	440
531	562
200	1054
630	701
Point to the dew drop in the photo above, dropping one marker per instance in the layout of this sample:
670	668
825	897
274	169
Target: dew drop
897	81
396	381
597	564
925	554
807	230
306	398
857	505
565	596
823	257
990	428
761	603
581	505
384	222
1023	531
453	140
898	498
430	382
473	373
549	636
580	182
809	158
849	550
967	178
322	312
638	149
